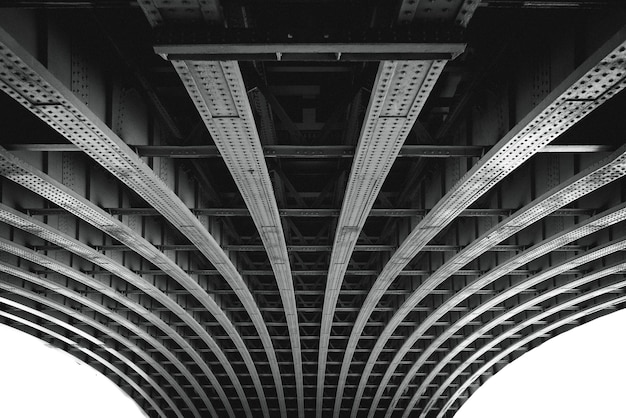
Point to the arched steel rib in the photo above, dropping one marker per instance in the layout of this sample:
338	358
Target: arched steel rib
134	348
534	335
49	284
32	256
33	179
587	181
399	93
88	352
44	231
607	271
32	85
544	275
219	94
580	230
582	92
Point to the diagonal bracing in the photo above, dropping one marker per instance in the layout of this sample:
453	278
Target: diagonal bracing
400	91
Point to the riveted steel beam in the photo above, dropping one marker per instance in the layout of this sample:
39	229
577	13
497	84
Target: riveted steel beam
615	268
96	357
318	212
603	220
581	93
312	151
398	96
34	87
103	289
591	179
535	335
19	220
219	94
214	43
38	182
74	315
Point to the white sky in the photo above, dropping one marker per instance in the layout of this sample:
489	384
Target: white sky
38	381
579	374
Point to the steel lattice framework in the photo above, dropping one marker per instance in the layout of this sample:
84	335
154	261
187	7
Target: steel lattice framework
309	208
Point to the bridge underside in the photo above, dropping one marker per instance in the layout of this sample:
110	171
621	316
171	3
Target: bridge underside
309	208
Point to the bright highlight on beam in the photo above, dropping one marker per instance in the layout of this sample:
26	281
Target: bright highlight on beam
577	374
42	381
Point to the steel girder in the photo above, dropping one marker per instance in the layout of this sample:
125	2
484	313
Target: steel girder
606	219
565	106
399	93
218	91
219	94
537	334
47	98
471	237
44	231
616	268
95	356
586	182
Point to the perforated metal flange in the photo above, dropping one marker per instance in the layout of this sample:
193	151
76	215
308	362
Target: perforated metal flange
219	94
557	113
41	93
535	335
585	228
605	250
106	331
77	346
600	174
399	93
41	230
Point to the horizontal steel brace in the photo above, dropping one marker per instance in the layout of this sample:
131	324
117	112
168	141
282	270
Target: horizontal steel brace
312	151
270	272
315	213
314	248
213	43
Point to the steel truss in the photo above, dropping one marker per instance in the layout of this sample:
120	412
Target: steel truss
385	212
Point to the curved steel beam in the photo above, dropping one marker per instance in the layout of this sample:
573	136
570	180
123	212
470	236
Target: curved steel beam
594	177
47	262
615	268
399	93
582	92
88	352
129	344
33	86
97	307
44	231
22	173
535	335
580	230
218	92
39	229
